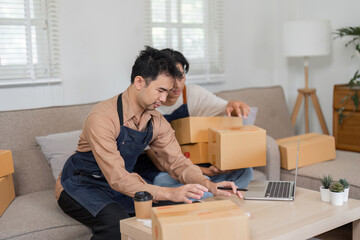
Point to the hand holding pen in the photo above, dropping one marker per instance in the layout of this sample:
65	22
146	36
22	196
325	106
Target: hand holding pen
229	188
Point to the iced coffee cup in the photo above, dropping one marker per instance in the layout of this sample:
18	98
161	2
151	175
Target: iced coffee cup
143	204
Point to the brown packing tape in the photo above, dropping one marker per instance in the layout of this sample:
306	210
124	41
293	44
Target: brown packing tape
194	211
298	137
248	128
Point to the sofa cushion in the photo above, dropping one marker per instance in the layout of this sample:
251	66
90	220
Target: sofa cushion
57	148
37	216
272	112
346	165
250	120
18	131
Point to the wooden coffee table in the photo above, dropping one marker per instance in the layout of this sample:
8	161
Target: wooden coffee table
303	218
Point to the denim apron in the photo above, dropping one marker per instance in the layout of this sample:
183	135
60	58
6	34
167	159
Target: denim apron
83	180
145	167
180	112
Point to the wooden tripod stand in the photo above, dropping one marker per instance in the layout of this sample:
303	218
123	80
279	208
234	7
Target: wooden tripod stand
306	93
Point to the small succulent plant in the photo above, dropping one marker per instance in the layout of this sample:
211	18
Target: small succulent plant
326	181
344	182
336	187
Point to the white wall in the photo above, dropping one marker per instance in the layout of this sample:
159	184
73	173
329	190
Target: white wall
100	40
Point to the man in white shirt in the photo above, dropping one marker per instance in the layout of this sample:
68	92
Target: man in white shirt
193	100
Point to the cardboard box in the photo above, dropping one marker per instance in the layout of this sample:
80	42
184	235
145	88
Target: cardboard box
6	163
7	192
209	220
197	152
195	129
237	148
313	148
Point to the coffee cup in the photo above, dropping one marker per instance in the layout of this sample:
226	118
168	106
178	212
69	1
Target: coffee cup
143	204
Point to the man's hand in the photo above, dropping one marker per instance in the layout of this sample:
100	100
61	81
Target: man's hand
183	193
237	108
227	193
211	171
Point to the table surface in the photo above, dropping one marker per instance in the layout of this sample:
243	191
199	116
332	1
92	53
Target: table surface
305	217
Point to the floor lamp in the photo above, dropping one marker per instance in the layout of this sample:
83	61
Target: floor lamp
307	38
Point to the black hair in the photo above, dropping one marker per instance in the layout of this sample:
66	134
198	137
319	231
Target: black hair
179	58
151	63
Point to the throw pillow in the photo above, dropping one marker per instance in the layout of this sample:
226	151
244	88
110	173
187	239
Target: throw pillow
250	120
57	148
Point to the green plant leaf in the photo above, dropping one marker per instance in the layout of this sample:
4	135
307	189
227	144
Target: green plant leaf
355	99
341	115
344	182
357	47
344	99
341	118
353	81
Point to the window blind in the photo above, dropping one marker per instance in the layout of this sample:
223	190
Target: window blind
193	27
29	44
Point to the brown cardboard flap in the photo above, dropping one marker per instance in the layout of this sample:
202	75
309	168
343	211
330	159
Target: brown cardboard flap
6	163
7	192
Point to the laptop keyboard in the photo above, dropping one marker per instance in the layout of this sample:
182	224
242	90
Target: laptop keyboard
278	189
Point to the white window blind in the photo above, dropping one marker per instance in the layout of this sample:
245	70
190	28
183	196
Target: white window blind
193	27
29	47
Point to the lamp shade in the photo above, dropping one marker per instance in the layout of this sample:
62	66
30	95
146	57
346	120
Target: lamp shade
306	38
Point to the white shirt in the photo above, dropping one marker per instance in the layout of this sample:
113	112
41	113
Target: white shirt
200	102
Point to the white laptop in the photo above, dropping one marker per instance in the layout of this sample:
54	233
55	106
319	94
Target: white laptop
273	190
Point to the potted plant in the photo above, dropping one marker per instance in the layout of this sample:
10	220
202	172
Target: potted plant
354	83
324	189
346	185
337	193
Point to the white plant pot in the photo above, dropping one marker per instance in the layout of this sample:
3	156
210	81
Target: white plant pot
325	194
337	198
346	194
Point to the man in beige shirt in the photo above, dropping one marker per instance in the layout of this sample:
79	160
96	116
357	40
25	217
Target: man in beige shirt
97	182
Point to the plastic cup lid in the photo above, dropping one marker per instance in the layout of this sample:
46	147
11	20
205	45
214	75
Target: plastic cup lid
143	196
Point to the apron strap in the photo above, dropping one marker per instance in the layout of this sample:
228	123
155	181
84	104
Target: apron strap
120	109
120	113
184	95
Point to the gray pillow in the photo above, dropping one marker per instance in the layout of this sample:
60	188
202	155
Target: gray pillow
57	148
250	120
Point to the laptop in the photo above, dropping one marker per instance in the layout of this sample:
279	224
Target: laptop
273	190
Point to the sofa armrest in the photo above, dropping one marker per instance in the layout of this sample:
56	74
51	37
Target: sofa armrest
272	168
